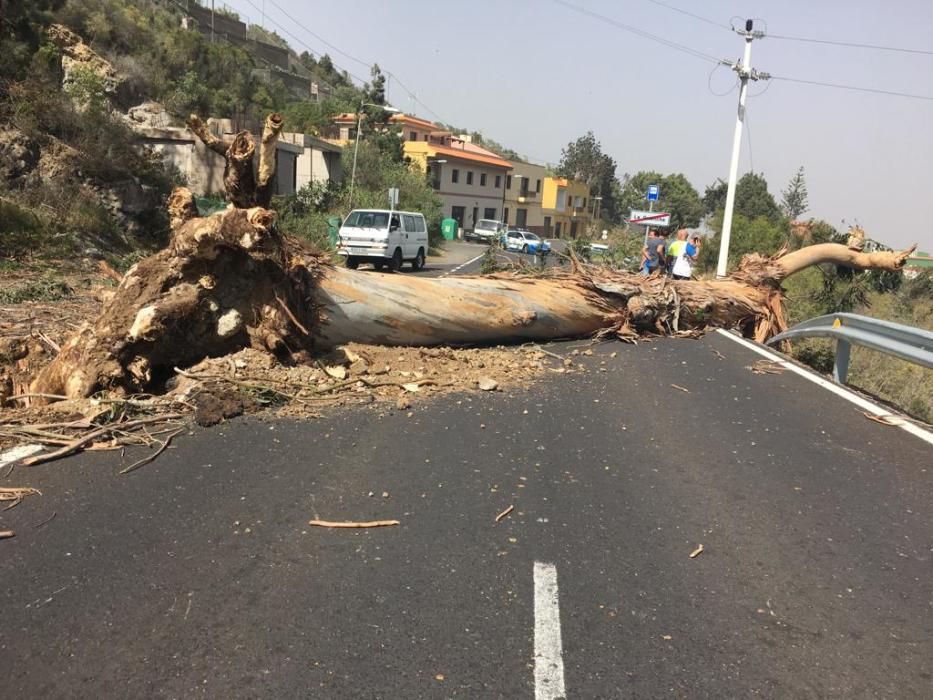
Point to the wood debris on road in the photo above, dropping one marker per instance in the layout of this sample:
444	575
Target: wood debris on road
17	494
504	513
683	389
4	534
696	552
366	523
767	367
884	418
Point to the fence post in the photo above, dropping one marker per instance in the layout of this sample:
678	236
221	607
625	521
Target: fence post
841	367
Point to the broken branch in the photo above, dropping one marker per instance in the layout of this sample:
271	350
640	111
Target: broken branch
368	523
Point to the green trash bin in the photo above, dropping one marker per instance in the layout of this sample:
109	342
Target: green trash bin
333	229
449	229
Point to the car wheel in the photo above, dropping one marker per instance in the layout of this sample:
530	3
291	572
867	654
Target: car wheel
525	248
353	263
395	264
418	262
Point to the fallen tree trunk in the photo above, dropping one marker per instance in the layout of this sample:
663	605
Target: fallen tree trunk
231	281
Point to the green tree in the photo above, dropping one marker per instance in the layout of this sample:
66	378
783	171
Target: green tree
677	196
758	235
794	198
584	160
714	198
752	198
21	26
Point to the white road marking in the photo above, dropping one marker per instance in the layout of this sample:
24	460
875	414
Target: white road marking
460	267
549	654
864	404
17	453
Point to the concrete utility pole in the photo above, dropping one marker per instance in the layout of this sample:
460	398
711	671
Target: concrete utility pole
746	73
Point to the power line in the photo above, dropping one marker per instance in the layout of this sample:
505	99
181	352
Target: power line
320	38
853	87
301	42
721	25
639	32
852	44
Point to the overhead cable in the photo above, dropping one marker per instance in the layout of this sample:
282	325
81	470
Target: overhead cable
639	32
853	87
853	44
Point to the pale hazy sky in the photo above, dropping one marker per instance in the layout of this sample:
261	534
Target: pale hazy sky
534	75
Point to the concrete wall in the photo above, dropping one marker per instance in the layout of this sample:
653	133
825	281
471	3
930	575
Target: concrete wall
203	169
319	160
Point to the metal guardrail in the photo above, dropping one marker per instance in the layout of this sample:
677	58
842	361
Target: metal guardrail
911	344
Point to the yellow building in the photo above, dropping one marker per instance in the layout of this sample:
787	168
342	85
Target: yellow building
566	207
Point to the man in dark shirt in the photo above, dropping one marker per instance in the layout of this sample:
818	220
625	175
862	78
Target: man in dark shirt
652	254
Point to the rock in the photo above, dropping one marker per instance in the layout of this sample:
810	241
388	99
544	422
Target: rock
403	403
19	155
149	113
487	384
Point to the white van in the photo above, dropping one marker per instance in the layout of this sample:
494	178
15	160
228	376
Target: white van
384	238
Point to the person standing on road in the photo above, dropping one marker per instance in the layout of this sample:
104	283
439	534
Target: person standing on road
651	254
682	268
674	248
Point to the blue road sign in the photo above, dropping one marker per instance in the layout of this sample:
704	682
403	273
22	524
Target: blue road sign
653	192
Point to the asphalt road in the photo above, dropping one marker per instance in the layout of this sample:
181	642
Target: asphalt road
198	576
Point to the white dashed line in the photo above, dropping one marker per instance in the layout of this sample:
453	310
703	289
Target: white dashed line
864	404
460	267
549	654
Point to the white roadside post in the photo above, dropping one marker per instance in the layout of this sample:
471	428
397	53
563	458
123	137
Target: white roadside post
745	73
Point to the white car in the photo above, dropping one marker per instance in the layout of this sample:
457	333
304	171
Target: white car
486	231
525	242
384	238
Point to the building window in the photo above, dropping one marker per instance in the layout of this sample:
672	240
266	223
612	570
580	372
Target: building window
498	181
505	216
538	186
455	176
584	202
508	182
489	213
469	177
412	135
482	179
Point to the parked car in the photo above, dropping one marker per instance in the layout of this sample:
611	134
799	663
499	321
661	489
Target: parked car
525	242
384	238
485	231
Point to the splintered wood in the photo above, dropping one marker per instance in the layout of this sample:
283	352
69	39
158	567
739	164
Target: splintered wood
358	524
111	428
767	367
16	495
696	552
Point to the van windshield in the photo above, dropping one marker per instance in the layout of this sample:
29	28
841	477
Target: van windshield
367	219
487	224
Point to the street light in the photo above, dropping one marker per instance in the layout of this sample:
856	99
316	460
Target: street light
356	147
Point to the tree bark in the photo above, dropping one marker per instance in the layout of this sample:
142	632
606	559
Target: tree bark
231	281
